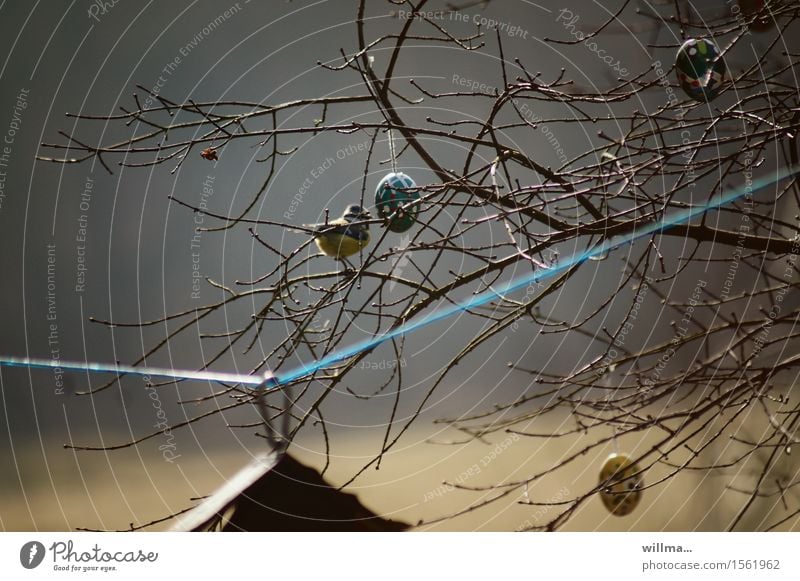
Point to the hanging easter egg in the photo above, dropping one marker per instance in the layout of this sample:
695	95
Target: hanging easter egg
701	71
622	485
751	8
392	193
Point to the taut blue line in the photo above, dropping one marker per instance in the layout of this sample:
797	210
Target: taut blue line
271	382
539	275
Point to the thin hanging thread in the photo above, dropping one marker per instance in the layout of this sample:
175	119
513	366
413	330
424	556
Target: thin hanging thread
374	92
390	133
270	382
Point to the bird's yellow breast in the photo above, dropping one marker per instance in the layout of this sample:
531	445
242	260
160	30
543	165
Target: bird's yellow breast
340	245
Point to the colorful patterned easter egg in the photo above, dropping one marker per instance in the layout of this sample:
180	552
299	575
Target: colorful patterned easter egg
393	192
701	72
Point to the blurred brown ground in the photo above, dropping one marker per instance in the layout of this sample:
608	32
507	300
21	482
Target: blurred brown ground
109	491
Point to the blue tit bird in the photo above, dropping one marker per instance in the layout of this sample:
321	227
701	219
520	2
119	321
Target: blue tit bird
343	237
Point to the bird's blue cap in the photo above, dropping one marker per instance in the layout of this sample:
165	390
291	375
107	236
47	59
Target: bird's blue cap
355	210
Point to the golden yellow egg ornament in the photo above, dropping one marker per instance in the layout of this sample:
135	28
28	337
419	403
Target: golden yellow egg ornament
622	485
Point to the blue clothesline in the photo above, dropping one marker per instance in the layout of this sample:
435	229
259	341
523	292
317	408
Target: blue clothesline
269	381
